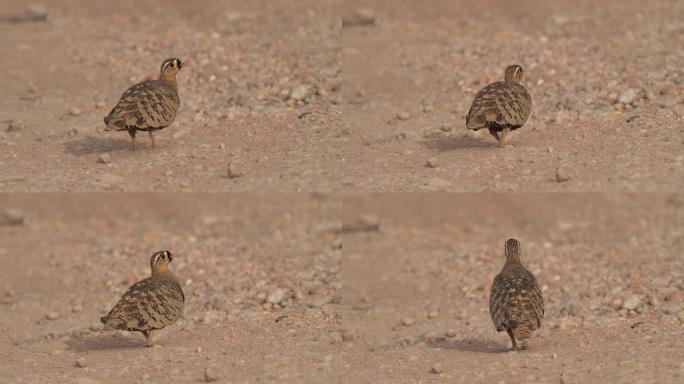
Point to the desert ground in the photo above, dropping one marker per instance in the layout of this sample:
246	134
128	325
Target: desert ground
605	77
260	275
261	96
418	268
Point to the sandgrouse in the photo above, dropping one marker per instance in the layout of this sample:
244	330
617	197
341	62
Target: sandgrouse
150	304
148	106
515	302
501	107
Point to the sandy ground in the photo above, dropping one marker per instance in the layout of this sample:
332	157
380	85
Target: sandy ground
605	77
74	255
238	100
415	293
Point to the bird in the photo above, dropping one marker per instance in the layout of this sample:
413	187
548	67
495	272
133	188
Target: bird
502	106
516	303
150	304
148	106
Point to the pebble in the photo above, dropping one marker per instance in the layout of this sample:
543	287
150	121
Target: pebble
407	321
450	332
108	179
315	302
445	128
300	92
631	303
628	96
52	315
276	296
672	309
81	362
15	126
198	349
432	162
436	368
561	175
104	158
100	104
210	375
667	102
361	16
403	115
96	327
234	171
12	217
631	116
75	111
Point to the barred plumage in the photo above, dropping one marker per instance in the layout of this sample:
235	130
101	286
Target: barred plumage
149	304
148	106
501	107
515	302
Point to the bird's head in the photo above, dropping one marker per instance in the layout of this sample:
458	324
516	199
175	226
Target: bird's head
159	262
512	251
514	74
170	67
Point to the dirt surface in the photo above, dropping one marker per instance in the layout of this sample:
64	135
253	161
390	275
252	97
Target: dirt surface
240	103
605	77
260	275
415	292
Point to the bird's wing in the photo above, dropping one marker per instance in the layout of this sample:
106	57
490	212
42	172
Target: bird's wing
147	105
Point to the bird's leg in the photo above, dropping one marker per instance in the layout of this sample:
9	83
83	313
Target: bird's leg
148	337
494	133
152	138
510	334
504	137
132	133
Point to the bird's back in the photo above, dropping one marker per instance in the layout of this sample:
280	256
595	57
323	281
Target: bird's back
516	301
149	304
145	106
500	104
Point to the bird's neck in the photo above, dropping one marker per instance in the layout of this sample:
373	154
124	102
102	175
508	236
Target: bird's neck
170	80
164	273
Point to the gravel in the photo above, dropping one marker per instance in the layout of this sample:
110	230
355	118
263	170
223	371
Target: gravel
562	175
631	302
12	217
436	369
403	115
81	362
104	158
210	375
235	171
52	315
628	96
276	296
15	125
300	93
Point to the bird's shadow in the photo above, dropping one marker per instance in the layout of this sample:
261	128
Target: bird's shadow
452	143
104	341
467	345
95	145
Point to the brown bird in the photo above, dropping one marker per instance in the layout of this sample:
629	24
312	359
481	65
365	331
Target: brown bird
501	107
148	106
149	304
515	302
